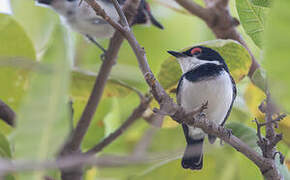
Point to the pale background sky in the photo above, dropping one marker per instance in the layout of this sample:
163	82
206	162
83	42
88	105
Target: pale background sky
5	6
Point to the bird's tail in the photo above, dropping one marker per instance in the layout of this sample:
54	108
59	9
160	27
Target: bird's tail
193	155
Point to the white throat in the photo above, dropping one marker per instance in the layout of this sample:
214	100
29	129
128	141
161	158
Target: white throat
189	63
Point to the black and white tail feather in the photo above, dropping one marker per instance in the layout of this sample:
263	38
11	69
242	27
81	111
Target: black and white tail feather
193	154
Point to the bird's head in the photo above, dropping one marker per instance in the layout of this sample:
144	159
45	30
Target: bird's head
197	56
144	15
61	6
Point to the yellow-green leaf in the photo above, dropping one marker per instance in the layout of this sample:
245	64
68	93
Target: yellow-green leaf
37	21
43	120
14	44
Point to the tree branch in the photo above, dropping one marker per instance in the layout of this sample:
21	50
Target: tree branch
110	59
195	9
268	144
72	145
167	106
137	113
68	162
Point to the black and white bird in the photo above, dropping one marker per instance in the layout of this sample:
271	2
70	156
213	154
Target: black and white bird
206	79
83	19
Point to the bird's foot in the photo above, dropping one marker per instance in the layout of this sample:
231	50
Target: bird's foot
229	133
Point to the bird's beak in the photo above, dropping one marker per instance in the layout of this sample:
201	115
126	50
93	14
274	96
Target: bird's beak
154	21
176	54
46	2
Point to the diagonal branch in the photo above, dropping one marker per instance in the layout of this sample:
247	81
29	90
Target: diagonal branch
137	113
72	145
75	140
196	9
266	165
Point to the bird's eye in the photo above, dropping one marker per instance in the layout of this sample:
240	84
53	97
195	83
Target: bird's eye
195	51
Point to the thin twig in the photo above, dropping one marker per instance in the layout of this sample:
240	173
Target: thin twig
123	18
137	113
100	12
7	166
125	85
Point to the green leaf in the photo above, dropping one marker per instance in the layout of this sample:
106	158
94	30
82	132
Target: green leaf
43	118
235	55
112	120
248	135
15	45
277	44
37	21
83	81
263	3
245	133
14	41
5	151
259	79
81	87
252	19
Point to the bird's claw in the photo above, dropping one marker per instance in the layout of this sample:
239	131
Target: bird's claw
229	133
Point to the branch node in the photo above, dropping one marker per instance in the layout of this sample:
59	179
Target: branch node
258	129
160	112
262	107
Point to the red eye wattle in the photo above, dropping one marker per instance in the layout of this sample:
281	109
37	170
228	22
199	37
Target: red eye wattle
195	51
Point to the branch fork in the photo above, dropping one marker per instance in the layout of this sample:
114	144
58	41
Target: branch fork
267	144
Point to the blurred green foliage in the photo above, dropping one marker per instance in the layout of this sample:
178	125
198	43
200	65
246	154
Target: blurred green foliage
263	3
44	66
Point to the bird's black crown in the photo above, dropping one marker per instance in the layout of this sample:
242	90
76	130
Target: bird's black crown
204	53
201	53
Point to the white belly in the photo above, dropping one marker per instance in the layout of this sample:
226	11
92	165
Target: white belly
218	92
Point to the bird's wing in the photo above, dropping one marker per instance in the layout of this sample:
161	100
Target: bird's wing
234	97
97	21
178	97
